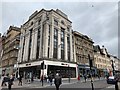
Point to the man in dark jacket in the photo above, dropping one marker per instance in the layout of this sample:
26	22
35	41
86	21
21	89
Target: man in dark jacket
57	81
10	81
20	80
50	77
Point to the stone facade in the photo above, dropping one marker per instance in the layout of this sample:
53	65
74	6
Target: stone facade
102	60
1	51
47	35
83	46
10	43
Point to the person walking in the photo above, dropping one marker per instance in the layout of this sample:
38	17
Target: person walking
50	77
85	77
10	81
20	80
4	80
78	77
42	79
58	81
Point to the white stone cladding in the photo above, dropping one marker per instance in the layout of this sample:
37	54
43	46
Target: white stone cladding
47	21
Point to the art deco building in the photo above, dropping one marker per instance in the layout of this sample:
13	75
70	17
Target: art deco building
10	42
102	60
83	45
47	36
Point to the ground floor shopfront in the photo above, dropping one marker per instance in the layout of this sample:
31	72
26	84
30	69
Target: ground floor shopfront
103	72
33	69
85	70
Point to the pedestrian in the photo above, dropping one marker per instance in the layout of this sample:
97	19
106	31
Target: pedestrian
58	81
20	80
32	78
78	77
42	78
50	77
98	76
85	77
4	81
10	81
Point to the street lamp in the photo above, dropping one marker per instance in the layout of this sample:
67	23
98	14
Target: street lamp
113	67
17	64
42	71
116	83
91	65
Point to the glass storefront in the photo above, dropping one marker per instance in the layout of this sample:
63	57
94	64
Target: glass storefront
64	71
34	71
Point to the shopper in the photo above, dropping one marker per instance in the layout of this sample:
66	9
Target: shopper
58	81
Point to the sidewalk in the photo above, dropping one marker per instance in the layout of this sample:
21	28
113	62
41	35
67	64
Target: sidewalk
38	84
112	87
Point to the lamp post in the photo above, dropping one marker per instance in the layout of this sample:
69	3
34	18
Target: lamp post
69	74
113	67
91	65
116	83
17	64
42	71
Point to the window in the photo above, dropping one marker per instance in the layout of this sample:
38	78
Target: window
55	22
38	43
39	21
68	29
55	43
62	43
30	44
49	37
23	48
68	46
62	22
31	23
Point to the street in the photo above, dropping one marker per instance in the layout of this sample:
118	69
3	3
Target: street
98	85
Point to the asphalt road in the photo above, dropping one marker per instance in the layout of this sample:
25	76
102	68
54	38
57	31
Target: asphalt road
98	85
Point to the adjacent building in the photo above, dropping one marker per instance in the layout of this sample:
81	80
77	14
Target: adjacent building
47	38
102	61
10	43
115	63
1	54
83	45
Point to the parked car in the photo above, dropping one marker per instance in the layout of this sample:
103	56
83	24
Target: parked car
111	80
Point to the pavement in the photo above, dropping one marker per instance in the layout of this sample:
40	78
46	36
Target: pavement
38	84
112	87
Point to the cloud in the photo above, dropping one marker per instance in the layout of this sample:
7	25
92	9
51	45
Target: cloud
98	20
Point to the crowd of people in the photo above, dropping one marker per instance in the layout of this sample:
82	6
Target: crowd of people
8	80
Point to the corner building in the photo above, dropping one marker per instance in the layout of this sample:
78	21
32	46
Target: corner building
47	36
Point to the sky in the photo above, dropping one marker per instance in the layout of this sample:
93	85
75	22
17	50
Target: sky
97	20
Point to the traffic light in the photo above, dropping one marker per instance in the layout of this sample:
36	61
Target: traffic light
42	65
90	61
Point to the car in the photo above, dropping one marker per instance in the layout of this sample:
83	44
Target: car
111	80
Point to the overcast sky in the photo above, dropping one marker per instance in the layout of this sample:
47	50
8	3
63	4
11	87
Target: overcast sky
98	20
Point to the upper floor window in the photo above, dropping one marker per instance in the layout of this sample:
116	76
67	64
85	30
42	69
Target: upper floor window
39	21
55	22
62	22
55	32
62	32
31	23
68	29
